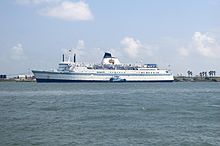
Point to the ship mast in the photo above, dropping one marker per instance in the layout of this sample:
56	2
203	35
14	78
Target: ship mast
69	55
74	58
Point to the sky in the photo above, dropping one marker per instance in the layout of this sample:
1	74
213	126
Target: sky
179	35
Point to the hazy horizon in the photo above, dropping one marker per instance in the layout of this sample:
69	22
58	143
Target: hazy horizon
184	35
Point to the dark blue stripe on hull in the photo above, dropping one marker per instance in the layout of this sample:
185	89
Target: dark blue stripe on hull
71	81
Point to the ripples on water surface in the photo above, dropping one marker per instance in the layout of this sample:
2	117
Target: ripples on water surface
110	114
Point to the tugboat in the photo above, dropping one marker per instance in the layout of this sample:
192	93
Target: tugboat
117	79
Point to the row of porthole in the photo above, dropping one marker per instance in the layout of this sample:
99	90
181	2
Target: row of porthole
124	72
151	72
117	72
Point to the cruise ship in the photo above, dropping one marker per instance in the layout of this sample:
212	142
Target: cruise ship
109	70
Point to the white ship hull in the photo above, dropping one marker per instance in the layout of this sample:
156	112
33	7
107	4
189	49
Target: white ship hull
93	76
110	70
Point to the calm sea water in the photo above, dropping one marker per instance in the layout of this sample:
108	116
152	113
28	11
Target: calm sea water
110	114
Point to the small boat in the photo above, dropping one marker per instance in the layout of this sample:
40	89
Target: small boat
117	79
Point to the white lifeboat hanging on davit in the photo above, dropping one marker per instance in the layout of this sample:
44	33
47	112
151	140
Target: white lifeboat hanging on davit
109	60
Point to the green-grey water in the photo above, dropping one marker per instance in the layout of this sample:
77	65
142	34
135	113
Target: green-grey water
123	114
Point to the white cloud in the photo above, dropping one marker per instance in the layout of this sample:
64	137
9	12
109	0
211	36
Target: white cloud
17	52
36	2
202	44
205	44
71	11
133	47
61	9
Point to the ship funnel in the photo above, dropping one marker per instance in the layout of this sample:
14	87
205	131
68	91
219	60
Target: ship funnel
107	55
63	58
74	59
109	60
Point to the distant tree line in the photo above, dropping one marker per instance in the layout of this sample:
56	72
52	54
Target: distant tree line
190	73
211	73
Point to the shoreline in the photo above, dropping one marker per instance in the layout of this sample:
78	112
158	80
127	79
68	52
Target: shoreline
196	79
176	79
